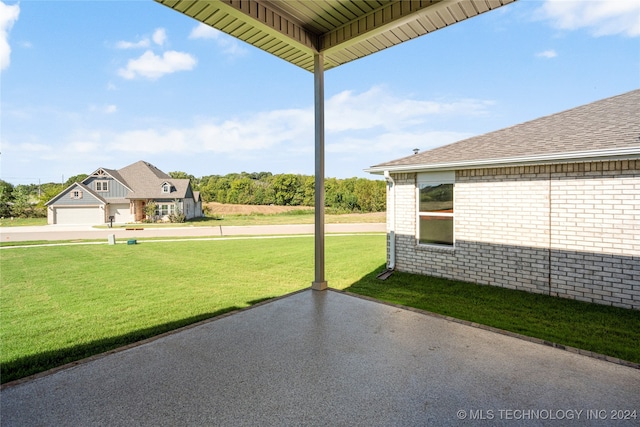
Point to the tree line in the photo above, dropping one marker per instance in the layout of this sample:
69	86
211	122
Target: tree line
264	188
257	188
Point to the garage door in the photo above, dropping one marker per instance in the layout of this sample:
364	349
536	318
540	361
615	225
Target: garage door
79	216
121	213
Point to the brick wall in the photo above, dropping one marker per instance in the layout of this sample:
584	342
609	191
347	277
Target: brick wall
570	230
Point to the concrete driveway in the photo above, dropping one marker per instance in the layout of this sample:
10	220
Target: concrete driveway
71	232
328	358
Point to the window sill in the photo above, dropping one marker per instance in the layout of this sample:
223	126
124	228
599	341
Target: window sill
435	248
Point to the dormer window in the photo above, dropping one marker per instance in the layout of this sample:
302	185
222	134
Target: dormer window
166	188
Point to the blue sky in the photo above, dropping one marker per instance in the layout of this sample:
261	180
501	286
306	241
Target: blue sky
89	84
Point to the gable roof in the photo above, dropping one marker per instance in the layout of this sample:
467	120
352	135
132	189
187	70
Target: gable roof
605	129
145	181
142	179
111	172
82	187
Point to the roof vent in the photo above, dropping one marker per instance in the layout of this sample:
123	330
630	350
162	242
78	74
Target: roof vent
416	150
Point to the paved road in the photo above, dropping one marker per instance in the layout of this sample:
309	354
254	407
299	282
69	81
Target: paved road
72	232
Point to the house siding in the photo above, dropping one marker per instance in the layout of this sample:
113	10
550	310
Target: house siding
115	189
567	230
86	200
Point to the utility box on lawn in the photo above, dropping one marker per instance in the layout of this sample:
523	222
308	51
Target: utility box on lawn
132	242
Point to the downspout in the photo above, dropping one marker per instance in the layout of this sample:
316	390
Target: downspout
391	221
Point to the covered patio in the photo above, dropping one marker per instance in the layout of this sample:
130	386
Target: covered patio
321	357
329	358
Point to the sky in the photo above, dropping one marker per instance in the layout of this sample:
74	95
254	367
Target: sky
90	84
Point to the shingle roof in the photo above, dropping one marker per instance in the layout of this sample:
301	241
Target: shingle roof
145	181
83	187
115	174
600	128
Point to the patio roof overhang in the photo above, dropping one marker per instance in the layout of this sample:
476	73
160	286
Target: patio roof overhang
319	35
341	30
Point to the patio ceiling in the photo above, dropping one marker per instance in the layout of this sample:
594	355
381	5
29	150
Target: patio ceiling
340	30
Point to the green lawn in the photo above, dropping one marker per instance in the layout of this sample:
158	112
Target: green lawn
602	329
63	303
21	222
285	218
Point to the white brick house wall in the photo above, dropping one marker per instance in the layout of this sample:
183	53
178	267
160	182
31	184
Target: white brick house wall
569	230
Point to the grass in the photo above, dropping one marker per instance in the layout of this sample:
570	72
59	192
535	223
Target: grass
285	218
602	329
22	222
63	303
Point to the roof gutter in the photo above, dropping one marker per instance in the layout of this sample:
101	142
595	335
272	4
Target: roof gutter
579	156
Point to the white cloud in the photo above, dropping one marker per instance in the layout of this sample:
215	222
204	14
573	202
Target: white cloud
372	121
363	128
204	31
133	45
8	16
376	108
394	142
152	66
159	36
227	44
82	147
547	54
28	147
600	17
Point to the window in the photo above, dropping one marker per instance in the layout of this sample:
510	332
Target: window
166	188
164	209
76	194
435	208
102	186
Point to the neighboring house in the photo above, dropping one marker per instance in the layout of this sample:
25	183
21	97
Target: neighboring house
550	206
123	195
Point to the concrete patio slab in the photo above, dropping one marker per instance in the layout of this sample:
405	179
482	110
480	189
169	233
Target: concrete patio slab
328	358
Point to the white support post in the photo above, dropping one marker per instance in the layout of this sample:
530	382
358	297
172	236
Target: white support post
320	283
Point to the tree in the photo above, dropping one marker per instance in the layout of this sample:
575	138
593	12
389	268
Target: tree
286	190
49	191
371	195
183	175
21	205
308	190
76	178
150	211
6	198
263	193
241	191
